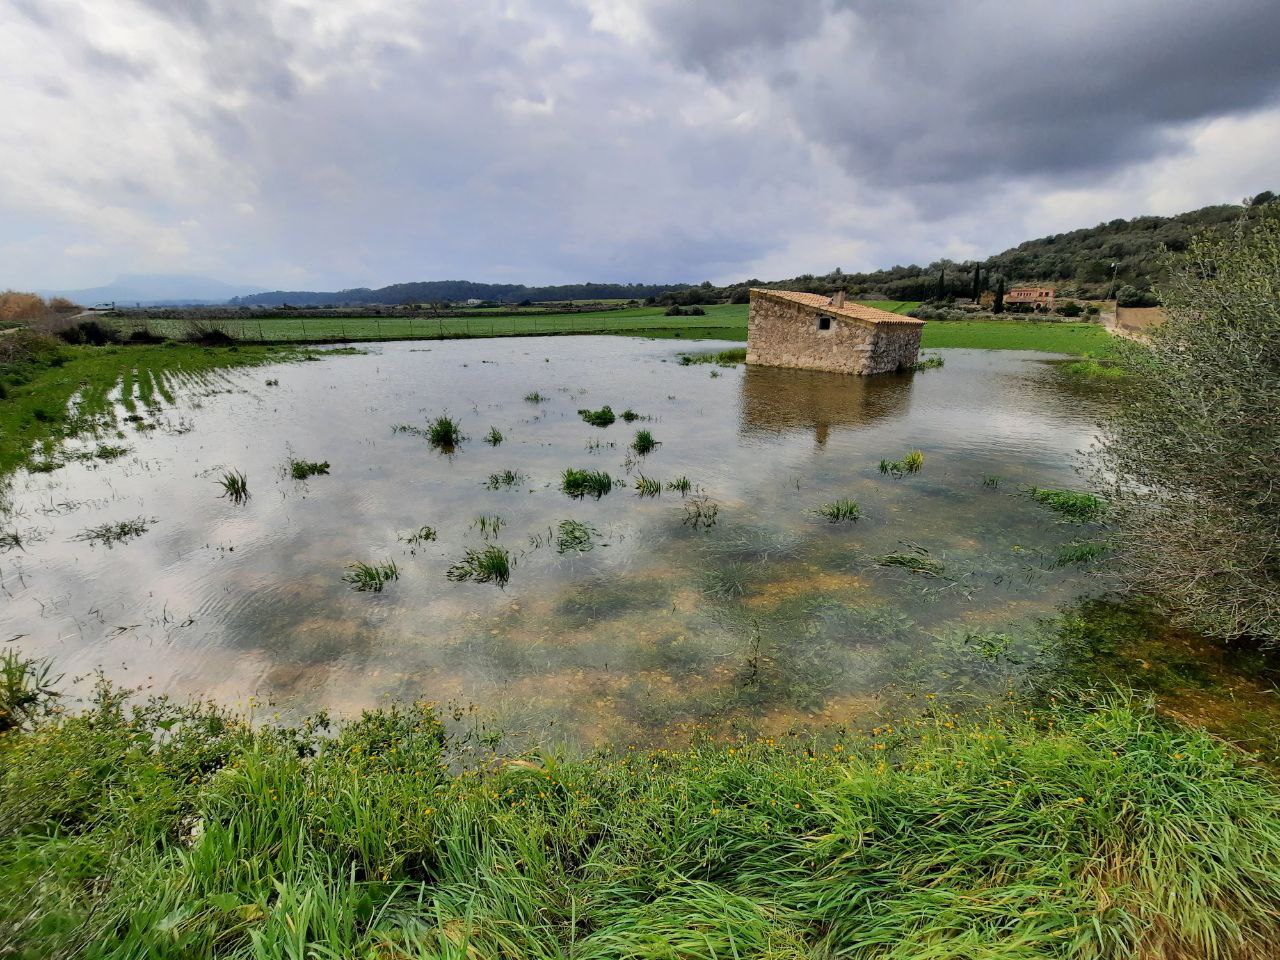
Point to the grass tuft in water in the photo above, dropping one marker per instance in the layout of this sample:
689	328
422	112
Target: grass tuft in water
917	560
648	486
417	538
235	486
444	432
109	534
582	483
681	485
575	536
488	525
913	462
644	443
302	469
1072	505
598	418
930	362
630	416
491	565
992	482
536	397
700	511
838	510
494	437
371	577
507	478
723	358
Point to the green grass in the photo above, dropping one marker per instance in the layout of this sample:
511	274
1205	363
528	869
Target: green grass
235	486
109	534
644	443
34	416
580	483
603	417
302	469
1072	505
1085	339
173	831
681	485
371	577
893	306
505	479
648	486
724	358
444	432
627	320
418	538
574	536
494	437
913	462
490	565
840	510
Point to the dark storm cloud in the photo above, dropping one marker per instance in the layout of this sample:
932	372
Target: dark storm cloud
925	92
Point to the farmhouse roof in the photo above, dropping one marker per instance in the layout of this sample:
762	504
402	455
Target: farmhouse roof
850	308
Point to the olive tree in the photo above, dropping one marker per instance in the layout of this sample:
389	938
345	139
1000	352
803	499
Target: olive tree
1191	456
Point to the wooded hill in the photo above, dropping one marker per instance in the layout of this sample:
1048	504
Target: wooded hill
454	291
1079	263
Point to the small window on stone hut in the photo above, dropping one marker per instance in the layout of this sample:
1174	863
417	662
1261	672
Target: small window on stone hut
824	322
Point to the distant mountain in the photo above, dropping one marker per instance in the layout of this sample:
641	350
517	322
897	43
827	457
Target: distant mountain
155	290
455	291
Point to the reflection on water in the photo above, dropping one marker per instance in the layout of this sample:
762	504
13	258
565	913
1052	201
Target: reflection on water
769	616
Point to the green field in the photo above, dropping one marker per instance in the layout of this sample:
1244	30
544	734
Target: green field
1084	339
329	329
37	388
893	306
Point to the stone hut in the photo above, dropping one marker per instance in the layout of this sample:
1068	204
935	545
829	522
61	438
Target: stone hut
811	331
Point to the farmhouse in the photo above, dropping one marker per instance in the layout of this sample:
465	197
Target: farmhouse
811	331
1037	297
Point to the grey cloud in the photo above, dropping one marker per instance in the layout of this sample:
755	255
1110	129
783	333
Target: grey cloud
927	92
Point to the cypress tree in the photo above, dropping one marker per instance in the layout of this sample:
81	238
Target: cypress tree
942	284
977	281
998	306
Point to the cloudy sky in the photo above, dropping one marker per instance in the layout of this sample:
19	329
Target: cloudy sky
317	145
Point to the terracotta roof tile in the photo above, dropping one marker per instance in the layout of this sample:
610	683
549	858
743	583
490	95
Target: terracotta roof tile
851	309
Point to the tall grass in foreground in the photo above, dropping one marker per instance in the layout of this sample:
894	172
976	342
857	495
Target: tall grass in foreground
171	831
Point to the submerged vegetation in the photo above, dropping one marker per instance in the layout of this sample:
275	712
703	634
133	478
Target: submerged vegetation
418	538
723	358
172	831
648	486
109	534
371	576
494	437
574	536
507	479
582	483
492	564
598	418
913	462
1072	505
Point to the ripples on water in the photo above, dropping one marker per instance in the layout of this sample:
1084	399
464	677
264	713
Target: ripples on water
769	616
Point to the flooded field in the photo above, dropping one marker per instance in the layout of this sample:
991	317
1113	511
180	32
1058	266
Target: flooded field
731	602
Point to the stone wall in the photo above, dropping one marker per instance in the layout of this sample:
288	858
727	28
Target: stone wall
783	333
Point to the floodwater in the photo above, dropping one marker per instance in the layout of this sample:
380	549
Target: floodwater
770	616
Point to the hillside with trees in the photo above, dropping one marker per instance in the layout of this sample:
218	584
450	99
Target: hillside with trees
1090	263
453	291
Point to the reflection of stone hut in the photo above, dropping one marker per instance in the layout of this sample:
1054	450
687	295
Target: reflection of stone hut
777	401
815	332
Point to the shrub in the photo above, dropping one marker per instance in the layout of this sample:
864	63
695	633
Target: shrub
1189	459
